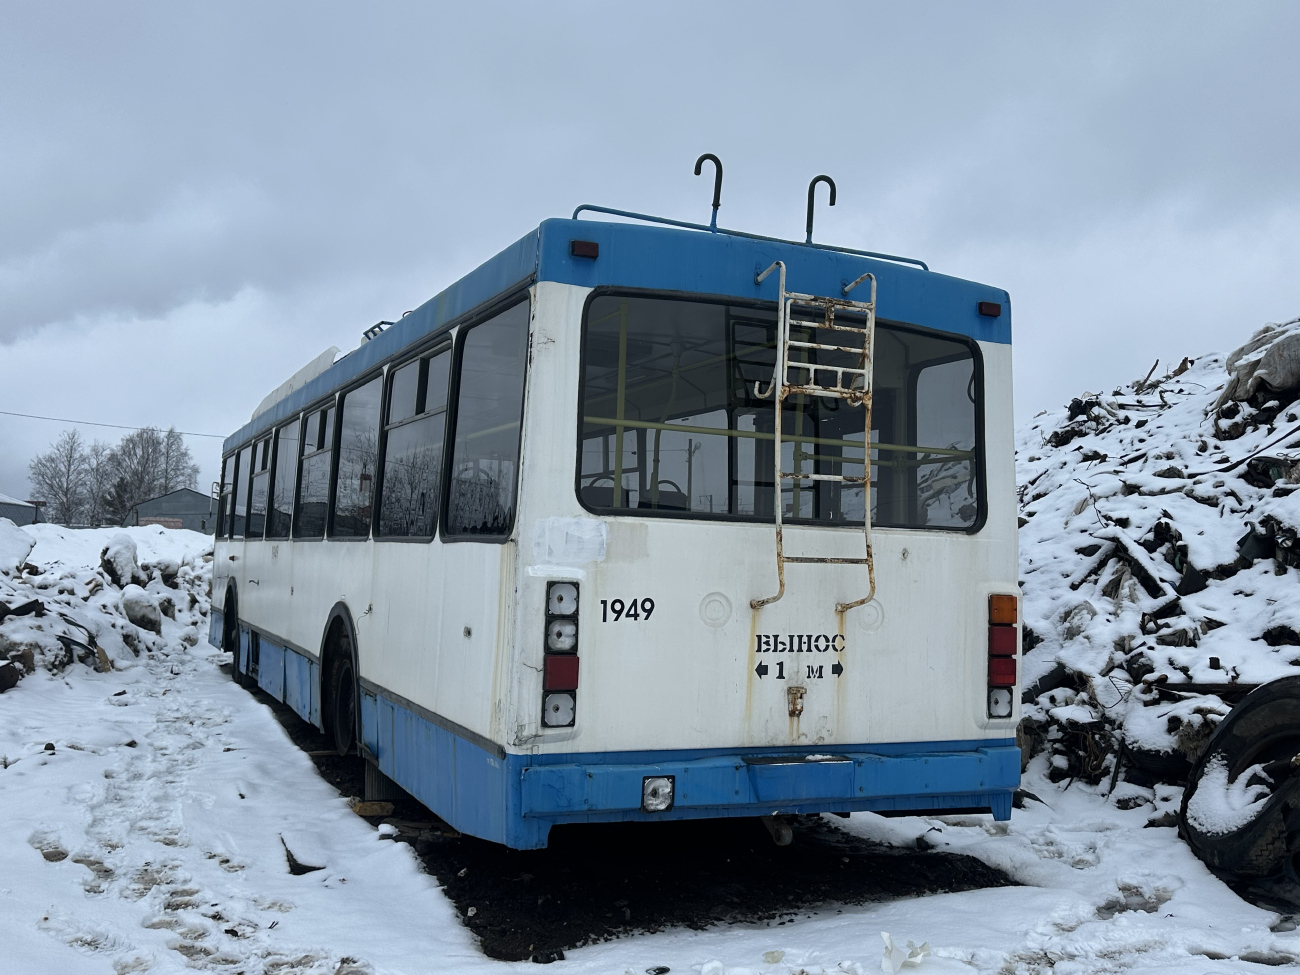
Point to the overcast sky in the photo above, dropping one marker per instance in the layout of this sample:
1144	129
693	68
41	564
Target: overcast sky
197	199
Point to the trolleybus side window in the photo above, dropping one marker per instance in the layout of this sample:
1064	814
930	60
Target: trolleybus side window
238	522
489	406
283	478
413	448
314	474
671	421
354	488
257	498
227	489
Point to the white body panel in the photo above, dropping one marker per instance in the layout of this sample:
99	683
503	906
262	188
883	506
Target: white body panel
457	628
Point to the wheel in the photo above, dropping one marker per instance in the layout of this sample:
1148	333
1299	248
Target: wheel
230	640
1241	810
343	717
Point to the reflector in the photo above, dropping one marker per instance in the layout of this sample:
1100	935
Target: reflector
1002	609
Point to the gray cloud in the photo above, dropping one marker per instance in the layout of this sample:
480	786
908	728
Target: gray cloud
219	191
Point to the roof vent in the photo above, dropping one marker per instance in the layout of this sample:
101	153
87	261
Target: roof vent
375	330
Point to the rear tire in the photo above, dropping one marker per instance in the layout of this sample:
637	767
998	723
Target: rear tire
1263	728
230	639
343	697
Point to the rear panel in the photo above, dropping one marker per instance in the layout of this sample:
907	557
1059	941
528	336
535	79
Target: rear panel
703	670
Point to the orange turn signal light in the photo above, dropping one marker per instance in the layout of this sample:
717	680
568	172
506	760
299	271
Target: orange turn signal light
1002	610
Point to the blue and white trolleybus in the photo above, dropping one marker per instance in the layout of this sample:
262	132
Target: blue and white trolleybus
595	535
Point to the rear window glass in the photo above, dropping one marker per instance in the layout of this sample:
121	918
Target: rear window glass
671	423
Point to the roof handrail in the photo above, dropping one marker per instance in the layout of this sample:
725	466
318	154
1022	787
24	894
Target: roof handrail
740	233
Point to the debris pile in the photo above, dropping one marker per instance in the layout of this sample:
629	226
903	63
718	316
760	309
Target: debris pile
53	615
1159	561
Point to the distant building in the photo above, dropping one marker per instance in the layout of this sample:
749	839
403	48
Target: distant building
179	509
19	512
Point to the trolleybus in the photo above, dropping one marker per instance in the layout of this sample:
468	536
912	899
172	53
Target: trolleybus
594	535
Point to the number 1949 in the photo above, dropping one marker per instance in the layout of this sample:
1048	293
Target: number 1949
633	609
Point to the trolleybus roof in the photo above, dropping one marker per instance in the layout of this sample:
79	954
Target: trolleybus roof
662	258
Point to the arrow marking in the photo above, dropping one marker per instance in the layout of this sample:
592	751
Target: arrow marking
761	670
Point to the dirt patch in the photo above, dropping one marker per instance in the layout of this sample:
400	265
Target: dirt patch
598	882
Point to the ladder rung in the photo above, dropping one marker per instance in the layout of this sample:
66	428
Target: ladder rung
812	324
811	560
801	299
793	343
848	478
812	389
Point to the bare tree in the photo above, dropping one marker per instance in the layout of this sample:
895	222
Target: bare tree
137	472
178	467
59	478
99	481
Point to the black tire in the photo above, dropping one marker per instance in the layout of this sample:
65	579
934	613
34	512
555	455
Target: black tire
230	639
343	700
1264	728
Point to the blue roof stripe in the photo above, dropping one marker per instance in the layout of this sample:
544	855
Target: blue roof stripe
638	256
513	266
663	259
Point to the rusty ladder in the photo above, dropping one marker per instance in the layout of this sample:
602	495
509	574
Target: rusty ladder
814	380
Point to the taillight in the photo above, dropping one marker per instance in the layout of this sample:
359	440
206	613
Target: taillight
1003	617
560	661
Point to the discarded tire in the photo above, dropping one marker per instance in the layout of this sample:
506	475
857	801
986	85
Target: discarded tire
1241	810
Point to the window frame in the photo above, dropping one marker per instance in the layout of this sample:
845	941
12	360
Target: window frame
234	491
225	502
256	442
274	434
443	343
340	396
770	307
328	401
453	415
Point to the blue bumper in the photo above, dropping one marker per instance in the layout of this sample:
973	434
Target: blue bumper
982	777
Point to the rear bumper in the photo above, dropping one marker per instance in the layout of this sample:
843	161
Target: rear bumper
981	775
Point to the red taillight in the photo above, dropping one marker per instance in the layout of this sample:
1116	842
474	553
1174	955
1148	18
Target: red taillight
561	673
1002	671
1002	641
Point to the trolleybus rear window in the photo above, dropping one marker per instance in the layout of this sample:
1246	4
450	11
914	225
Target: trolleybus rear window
671	423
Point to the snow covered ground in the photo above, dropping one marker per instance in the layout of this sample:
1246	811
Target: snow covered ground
147	804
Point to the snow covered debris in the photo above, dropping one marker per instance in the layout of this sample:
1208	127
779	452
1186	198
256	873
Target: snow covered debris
1159	558
63	605
141	608
15	544
119	561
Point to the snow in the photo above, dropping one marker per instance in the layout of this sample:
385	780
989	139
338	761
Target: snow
152	833
1133	505
15	544
153	836
141	608
1219	806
